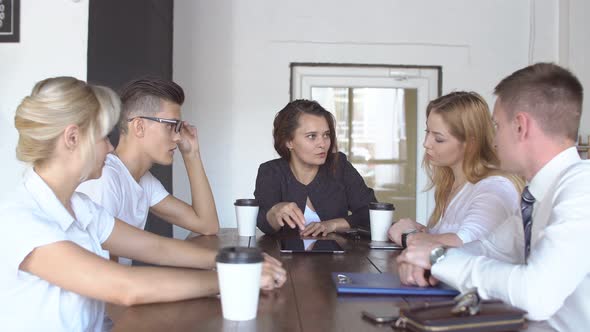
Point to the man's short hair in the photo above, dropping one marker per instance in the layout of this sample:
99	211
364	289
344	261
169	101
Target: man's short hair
552	95
144	96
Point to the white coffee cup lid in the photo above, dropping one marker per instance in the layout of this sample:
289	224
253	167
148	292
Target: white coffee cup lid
246	202
381	206
239	255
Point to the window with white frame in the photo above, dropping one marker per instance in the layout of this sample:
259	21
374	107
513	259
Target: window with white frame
380	121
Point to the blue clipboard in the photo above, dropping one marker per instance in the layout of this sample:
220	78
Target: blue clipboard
383	284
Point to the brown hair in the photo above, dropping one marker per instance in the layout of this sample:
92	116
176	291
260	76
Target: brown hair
468	117
552	95
287	121
144	96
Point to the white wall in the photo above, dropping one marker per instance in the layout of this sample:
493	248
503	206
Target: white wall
232	58
561	36
53	41
579	53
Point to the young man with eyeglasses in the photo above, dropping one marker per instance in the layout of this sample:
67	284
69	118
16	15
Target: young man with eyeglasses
151	131
535	260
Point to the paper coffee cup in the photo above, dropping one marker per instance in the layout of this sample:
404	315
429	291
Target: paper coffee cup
246	215
381	218
238	272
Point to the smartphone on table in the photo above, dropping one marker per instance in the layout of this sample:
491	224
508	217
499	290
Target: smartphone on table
357	233
383	316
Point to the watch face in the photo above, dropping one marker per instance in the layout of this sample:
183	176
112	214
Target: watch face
437	254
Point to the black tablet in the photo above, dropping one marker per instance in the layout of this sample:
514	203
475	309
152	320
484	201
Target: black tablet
295	245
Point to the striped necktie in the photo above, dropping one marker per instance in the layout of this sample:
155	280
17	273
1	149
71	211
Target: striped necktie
526	208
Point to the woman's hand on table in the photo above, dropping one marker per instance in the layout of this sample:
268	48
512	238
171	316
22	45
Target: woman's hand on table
395	231
323	228
286	213
273	274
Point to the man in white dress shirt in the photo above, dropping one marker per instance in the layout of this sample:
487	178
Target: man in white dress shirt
537	115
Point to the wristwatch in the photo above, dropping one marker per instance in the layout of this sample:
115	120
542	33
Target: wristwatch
437	254
405	237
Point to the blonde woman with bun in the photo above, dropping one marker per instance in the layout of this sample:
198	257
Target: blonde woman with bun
55	272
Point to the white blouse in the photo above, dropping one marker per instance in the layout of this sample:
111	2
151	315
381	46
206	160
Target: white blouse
33	217
310	216
478	208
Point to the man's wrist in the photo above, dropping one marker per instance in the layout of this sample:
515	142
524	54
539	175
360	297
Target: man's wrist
191	155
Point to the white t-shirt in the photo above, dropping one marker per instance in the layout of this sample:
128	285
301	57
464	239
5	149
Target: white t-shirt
478	208
34	217
118	192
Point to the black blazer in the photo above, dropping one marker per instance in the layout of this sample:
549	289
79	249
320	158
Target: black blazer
332	193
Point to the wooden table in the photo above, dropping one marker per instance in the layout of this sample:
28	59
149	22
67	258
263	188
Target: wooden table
307	302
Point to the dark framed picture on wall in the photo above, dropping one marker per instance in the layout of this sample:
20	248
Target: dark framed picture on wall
9	21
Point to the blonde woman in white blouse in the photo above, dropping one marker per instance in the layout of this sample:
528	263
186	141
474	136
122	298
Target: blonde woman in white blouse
55	272
472	195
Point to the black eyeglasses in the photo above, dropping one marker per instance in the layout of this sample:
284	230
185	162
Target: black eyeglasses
177	123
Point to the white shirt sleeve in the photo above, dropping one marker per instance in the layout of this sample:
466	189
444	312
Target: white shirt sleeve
102	221
154	189
26	233
554	268
493	200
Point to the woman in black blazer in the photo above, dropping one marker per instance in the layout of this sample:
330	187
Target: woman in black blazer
312	186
